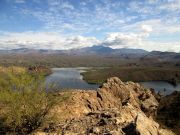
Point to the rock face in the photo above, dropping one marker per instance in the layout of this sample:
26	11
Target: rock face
168	112
116	108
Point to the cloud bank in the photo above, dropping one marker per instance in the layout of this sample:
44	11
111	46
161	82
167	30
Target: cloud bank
44	40
56	41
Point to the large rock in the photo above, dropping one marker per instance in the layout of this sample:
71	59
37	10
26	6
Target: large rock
116	109
168	112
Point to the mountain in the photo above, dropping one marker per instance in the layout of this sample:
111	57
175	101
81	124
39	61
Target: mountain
98	49
94	49
162	56
103	50
108	50
91	50
131	51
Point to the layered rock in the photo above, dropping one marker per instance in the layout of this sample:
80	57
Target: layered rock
116	108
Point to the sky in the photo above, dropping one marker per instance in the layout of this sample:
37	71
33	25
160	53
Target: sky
153	25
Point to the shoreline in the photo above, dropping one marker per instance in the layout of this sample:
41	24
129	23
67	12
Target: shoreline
99	76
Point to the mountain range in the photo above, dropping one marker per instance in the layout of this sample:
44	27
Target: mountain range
101	50
86	50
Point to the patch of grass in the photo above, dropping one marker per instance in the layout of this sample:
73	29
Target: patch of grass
12	69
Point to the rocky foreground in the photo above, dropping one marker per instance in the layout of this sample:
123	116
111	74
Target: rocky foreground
115	109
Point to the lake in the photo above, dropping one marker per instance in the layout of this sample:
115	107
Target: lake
161	86
70	78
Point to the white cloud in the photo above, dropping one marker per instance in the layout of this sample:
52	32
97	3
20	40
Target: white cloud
121	40
55	41
171	5
44	40
161	27
161	46
155	8
84	19
105	16
20	1
147	28
153	1
139	40
67	5
155	26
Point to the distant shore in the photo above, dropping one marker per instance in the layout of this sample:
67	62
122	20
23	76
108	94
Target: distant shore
98	76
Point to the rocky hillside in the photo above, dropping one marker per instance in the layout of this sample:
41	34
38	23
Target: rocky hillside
168	112
116	108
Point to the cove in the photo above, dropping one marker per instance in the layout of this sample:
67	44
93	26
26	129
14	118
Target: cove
69	78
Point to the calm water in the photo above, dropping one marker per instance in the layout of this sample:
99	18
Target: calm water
70	78
161	86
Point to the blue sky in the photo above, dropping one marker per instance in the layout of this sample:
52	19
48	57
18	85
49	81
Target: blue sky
66	24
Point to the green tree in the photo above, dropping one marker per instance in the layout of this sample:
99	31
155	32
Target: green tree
24	103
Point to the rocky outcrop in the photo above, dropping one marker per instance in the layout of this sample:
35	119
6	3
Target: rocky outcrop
116	108
168	113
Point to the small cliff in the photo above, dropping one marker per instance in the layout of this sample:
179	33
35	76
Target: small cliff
116	108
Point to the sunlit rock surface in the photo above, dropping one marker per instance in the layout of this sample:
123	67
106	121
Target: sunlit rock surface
116	108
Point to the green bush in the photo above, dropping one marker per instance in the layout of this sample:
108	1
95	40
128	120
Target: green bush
23	102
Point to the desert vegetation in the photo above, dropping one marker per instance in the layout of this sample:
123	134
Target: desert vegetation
136	74
88	60
24	103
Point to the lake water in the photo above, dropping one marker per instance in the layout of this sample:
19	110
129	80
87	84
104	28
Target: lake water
161	86
70	78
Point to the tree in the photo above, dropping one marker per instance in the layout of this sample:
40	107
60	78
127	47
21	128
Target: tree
23	102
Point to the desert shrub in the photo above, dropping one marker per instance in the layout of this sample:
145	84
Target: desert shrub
23	102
